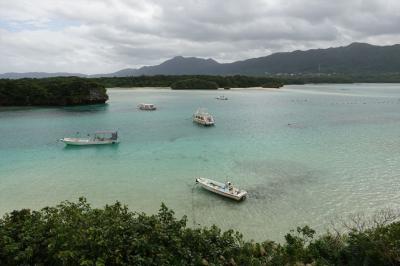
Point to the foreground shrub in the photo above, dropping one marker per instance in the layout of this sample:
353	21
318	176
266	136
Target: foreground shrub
77	234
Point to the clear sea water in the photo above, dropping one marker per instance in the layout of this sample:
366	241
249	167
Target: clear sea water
306	154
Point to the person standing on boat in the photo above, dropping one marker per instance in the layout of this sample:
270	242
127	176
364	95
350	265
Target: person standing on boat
229	185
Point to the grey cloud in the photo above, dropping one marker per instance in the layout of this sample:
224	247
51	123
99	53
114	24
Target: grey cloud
106	35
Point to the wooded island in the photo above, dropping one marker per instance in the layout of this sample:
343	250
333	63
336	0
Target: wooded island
61	91
51	92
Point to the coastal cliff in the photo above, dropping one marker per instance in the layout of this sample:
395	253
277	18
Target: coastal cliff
51	91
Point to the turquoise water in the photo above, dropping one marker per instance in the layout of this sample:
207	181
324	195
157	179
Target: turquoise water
306	154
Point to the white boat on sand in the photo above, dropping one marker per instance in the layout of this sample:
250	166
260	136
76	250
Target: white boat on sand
223	189
202	117
147	107
99	138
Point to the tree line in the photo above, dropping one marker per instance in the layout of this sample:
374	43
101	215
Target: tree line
237	81
76	90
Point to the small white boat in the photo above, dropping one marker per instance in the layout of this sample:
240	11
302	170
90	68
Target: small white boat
226	190
222	97
99	138
147	107
202	117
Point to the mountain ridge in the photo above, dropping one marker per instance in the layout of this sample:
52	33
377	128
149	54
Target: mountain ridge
355	58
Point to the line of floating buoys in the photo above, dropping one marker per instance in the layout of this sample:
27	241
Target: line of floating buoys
298	100
385	102
361	102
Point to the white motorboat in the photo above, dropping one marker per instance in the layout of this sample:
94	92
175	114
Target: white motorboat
99	138
147	107
222	97
223	189
202	117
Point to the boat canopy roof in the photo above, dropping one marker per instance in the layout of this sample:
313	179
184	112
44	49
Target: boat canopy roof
202	111
106	132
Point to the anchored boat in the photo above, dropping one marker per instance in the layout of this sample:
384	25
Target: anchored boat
202	117
222	97
226	190
147	107
98	138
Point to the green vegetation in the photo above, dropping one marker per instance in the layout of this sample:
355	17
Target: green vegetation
167	81
194	84
77	234
337	78
51	91
239	81
75	90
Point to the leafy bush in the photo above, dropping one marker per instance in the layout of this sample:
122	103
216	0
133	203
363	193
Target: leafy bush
77	234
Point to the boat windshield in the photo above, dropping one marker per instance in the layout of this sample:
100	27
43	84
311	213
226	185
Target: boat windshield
106	135
202	112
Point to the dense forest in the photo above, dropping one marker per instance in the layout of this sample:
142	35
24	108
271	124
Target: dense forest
51	91
240	81
77	90
337	78
167	81
78	234
194	84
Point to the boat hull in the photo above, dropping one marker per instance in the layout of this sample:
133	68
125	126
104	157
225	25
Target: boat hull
203	123
147	107
84	142
205	183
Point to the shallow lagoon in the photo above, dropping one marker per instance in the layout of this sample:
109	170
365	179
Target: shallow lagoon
306	154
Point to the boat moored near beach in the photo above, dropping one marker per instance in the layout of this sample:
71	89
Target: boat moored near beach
147	107
98	138
202	117
223	189
222	97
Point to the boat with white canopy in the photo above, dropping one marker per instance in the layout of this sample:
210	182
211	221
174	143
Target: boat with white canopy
223	189
147	107
98	138
202	117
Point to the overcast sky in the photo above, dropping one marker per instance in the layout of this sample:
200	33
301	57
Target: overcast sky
102	36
